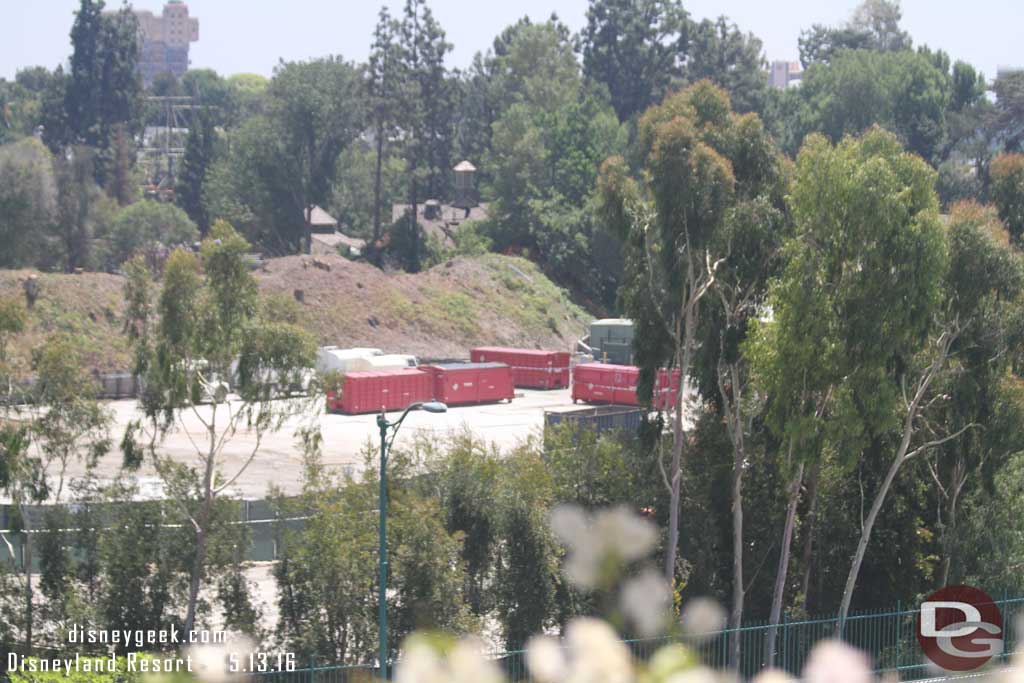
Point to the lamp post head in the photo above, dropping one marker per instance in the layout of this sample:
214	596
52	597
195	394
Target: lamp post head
434	407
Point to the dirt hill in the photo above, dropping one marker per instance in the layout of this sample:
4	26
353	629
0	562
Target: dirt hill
440	313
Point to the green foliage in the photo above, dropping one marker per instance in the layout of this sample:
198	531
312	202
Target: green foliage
283	163
1007	173
103	89
74	424
732	60
147	226
854	268
28	201
544	161
635	49
874	25
527	572
200	153
905	92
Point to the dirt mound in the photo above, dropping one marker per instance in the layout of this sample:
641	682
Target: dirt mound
89	306
440	313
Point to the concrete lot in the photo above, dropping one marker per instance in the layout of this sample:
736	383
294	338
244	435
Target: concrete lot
279	460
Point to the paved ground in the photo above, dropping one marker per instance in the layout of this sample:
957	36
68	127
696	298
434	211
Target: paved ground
344	436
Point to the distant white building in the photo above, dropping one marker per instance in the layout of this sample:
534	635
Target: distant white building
782	74
165	40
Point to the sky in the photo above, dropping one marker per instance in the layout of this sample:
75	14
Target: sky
237	36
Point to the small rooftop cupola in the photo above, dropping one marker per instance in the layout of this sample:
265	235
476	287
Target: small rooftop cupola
465	186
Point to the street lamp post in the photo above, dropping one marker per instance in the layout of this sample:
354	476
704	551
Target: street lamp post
385	447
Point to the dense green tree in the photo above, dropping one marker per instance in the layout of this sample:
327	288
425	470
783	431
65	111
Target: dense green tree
636	48
527	572
905	92
103	89
983	288
839	381
146	226
317	109
874	25
207	320
77	208
428	91
693	175
385	89
1007	172
732	60
201	148
28	201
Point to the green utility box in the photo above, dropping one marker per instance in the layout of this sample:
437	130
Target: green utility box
612	340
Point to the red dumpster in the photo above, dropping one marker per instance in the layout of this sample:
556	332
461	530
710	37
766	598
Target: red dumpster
606	383
368	392
531	369
470	383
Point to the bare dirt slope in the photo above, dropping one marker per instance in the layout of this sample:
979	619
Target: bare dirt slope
88	306
440	313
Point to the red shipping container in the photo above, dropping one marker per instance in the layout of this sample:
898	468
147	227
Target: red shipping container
606	383
392	390
531	368
469	383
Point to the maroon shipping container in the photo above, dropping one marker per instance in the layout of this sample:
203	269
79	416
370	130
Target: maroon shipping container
368	392
469	383
606	383
531	369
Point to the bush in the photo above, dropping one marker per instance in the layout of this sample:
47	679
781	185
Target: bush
145	226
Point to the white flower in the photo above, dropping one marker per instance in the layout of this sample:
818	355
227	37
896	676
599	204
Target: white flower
632	536
465	663
419	663
545	659
617	533
210	662
701	618
645	601
833	661
597	654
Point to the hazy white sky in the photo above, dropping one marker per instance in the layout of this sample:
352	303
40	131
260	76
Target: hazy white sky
252	35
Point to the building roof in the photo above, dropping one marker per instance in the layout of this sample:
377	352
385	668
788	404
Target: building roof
464	166
448	221
319	217
333	240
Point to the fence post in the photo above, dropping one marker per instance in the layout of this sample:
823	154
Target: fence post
783	658
312	668
899	634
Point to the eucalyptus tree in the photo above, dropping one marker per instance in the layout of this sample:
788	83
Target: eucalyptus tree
983	290
701	161
858	334
206	321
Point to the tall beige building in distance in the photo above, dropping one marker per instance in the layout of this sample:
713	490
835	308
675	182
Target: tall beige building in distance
165	40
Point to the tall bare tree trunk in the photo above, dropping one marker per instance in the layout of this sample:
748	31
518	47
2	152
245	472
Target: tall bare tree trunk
27	562
683	354
902	455
949	528
377	183
732	403
778	592
807	531
202	525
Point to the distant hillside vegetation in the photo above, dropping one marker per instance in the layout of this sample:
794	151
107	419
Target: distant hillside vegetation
440	313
